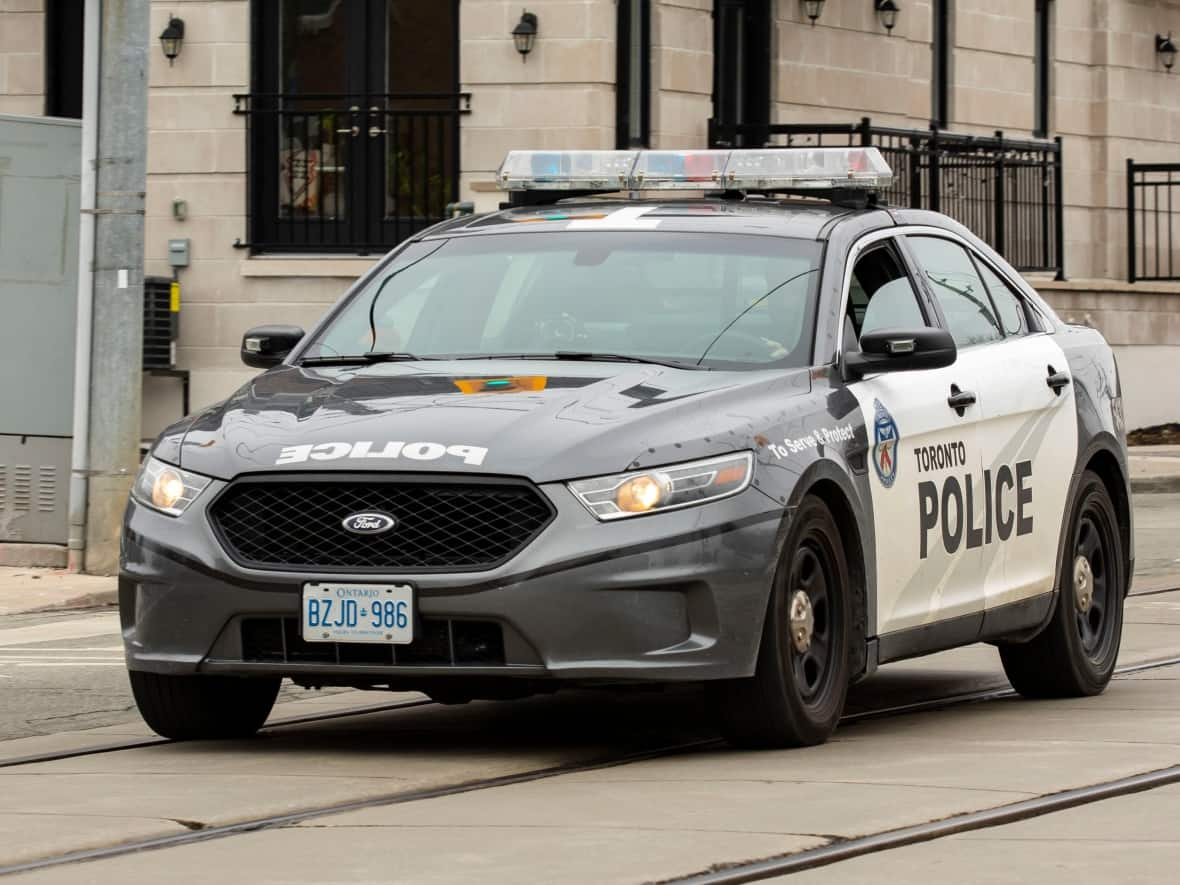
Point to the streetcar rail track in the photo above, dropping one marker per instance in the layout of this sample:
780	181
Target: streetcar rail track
137	743
886	840
752	871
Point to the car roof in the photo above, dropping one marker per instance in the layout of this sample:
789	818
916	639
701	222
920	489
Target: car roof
807	219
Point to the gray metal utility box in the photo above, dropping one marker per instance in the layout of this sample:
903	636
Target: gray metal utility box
40	169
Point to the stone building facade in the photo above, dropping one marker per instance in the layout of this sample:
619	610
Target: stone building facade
601	73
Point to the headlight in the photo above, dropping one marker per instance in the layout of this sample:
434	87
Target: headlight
665	488
166	488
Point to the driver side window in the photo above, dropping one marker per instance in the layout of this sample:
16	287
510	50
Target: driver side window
880	296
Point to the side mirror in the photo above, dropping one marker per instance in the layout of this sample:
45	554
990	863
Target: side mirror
266	346
901	350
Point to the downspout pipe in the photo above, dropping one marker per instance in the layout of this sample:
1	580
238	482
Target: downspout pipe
83	339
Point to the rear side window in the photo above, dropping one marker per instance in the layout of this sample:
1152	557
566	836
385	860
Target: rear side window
960	292
1008	303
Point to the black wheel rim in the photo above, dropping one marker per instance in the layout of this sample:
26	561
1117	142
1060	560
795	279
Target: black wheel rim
1095	544
812	574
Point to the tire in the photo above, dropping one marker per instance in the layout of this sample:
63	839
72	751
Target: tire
796	696
187	708
1074	656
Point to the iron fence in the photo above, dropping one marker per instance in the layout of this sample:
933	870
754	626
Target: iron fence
348	173
1008	192
1151	211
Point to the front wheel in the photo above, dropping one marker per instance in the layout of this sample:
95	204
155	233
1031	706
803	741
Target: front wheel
186	708
796	696
1075	654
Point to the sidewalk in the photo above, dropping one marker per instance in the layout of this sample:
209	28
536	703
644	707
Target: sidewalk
42	589
1155	468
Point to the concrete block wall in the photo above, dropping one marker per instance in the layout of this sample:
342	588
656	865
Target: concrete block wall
563	96
846	66
197	153
1111	100
681	73
22	60
560	96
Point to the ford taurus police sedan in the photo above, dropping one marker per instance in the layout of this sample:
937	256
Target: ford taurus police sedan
739	424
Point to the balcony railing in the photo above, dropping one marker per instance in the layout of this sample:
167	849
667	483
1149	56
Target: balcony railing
1153	204
1008	192
348	173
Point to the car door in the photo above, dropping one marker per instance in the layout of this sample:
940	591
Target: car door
1028	433
1027	430
920	452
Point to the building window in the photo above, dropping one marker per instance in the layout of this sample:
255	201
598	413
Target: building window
63	58
940	75
632	102
354	122
1043	63
741	71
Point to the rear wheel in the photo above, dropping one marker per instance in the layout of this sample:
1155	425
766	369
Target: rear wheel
796	695
1075	654
203	707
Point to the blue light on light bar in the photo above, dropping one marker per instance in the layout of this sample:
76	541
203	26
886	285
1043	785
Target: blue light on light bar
565	170
760	169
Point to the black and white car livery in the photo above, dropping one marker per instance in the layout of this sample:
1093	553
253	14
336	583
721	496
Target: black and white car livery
768	438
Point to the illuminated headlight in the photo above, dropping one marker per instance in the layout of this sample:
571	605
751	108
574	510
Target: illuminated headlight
665	488
166	488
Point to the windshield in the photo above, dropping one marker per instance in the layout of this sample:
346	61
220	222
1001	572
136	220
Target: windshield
707	300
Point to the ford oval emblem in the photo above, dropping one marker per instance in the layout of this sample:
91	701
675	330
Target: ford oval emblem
371	523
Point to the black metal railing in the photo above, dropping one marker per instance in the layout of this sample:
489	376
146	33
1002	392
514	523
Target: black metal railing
1152	209
1008	192
348	173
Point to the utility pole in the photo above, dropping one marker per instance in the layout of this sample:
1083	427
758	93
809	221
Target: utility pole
112	420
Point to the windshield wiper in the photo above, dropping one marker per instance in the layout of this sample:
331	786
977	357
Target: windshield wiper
362	359
589	356
582	356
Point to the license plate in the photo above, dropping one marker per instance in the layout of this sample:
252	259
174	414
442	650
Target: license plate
358	613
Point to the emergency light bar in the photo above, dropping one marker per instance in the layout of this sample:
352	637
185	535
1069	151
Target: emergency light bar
861	168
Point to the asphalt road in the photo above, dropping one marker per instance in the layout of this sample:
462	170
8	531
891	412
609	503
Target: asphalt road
64	671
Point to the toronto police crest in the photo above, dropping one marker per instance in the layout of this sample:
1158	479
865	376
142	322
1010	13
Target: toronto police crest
885	437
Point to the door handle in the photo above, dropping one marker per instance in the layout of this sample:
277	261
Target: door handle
374	130
959	400
1057	380
353	130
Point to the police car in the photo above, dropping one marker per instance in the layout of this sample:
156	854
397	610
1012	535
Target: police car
739	423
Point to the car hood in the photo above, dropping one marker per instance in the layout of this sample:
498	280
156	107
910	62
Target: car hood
545	420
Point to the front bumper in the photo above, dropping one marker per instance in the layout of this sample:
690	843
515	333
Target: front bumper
667	597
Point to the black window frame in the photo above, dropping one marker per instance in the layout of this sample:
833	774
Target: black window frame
753	69
369	232
64	37
940	70
1043	69
625	41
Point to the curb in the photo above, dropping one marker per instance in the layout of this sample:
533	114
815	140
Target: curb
101	599
1157	485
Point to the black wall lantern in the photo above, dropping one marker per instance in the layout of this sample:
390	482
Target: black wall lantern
887	12
812	9
172	38
1166	49
524	35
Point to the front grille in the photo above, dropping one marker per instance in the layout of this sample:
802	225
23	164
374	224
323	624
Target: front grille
439	642
296	523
